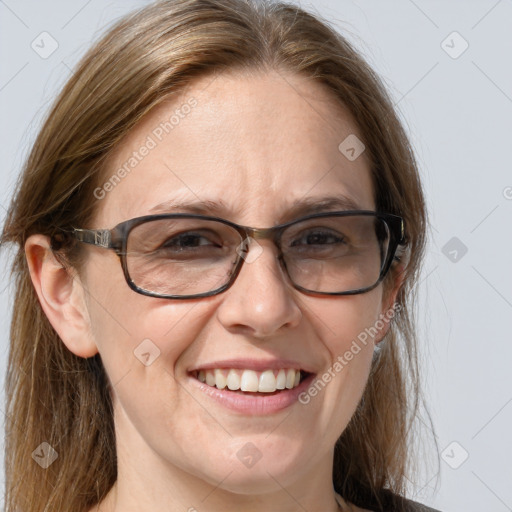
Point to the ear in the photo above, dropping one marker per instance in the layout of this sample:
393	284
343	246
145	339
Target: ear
61	295
388	303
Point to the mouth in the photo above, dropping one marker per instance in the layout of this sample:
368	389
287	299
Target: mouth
250	382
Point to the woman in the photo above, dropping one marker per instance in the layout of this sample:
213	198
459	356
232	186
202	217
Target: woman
219	231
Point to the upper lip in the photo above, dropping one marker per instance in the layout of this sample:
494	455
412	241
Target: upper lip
258	365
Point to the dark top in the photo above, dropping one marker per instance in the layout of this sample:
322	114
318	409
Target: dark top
412	506
393	503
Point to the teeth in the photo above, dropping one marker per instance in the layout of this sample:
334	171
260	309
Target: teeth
281	379
267	382
220	380
233	380
210	378
290	379
249	380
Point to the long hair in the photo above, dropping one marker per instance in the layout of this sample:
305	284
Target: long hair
56	397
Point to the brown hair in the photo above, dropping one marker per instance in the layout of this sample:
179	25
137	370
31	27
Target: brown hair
56	397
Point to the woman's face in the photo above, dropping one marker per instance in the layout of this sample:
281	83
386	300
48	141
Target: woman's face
253	146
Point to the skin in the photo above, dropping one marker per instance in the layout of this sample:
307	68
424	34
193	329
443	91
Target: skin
258	143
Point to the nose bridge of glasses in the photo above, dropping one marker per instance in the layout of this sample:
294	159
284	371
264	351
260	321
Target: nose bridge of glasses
272	234
263	234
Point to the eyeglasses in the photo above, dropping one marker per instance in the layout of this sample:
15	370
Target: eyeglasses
184	256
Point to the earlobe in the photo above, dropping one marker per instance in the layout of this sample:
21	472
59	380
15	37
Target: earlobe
61	296
389	304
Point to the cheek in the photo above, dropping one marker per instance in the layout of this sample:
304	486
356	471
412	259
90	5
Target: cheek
151	405
141	332
141	340
130	329
347	324
349	320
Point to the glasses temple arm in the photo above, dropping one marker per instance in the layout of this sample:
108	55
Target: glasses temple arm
99	237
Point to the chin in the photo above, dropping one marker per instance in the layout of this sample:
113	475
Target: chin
264	469
258	481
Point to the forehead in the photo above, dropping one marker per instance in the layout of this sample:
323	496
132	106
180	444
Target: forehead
247	146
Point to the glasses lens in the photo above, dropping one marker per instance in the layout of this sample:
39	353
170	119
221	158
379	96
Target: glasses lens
181	256
336	254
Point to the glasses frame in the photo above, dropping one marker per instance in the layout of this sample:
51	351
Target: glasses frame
116	239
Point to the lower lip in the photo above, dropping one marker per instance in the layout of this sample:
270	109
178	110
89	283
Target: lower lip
254	405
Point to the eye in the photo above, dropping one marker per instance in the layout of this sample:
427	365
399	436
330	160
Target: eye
187	241
318	238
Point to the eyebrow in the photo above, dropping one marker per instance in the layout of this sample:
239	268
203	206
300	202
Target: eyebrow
300	207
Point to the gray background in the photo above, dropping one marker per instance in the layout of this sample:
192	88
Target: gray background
457	108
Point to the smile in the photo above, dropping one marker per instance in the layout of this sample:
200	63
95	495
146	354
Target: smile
268	381
273	390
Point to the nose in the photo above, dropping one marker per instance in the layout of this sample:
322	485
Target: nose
262	300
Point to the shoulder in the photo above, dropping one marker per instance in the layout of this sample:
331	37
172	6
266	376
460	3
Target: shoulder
390	502
409	506
405	505
414	506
